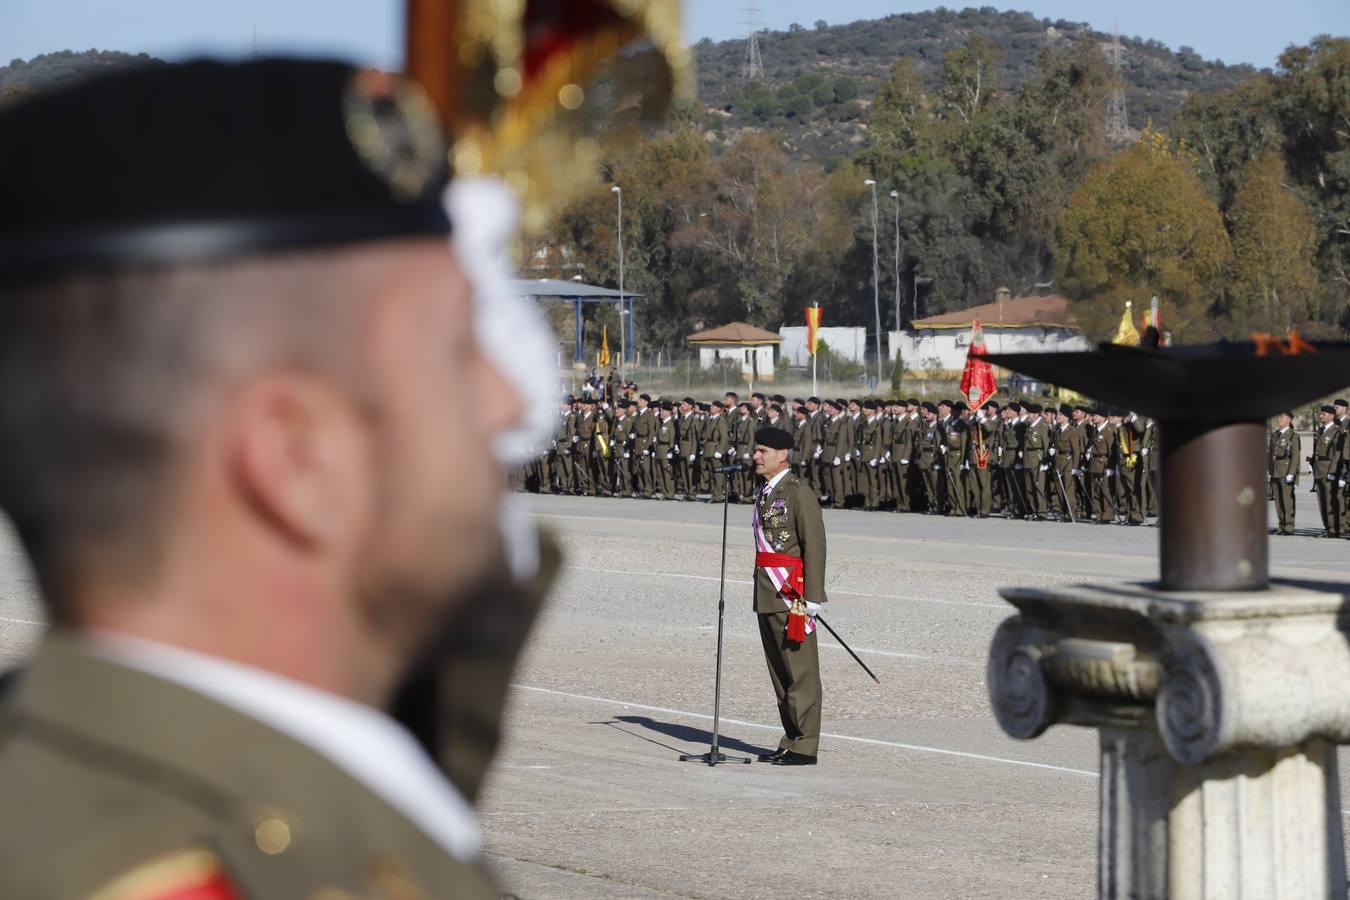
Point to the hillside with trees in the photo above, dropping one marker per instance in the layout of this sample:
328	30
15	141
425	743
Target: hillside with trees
819	79
48	70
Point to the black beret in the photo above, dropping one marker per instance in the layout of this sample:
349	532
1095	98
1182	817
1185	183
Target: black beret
773	438
1015	407
815	400
1066	409
1340	401
689	400
946	403
778	398
959	406
667	405
869	404
1031	407
841	403
759	395
928	405
1329	409
646	397
704	407
990	404
204	161
1285	412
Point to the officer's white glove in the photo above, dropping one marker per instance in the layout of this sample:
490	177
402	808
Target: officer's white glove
575	438
1289	479
816	455
848	457
745	456
1330	477
670	456
1045	468
937	468
887	457
836	461
1019	454
692	457
625	456
904	462
812	608
567	453
1076	472
1052	451
1144	451
1088	455
717	454
1017	467
1341	483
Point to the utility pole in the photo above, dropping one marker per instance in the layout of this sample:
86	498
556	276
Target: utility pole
876	275
623	324
1117	118
754	64
895	195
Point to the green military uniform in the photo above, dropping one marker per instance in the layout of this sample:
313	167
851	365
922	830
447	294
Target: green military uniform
1101	455
954	437
1325	462
644	450
1035	443
928	446
664	450
903	433
1068	444
136	778
792	522
717	451
623	434
837	445
1283	463
980	449
870	454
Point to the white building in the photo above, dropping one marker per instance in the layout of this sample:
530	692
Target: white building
1024	325
844	343
750	347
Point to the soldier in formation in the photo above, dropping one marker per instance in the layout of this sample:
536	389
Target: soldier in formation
1066	463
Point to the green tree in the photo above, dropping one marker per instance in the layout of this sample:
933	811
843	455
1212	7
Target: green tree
1227	130
970	78
1274	283
1143	222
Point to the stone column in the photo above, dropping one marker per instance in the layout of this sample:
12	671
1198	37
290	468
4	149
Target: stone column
1218	715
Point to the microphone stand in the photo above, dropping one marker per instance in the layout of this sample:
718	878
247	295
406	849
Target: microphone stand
715	756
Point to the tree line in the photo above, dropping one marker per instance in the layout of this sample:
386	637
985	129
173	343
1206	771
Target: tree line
1237	215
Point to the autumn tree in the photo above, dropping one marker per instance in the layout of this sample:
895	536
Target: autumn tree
1274	284
1143	223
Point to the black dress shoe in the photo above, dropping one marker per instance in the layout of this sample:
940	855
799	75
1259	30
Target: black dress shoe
793	758
775	756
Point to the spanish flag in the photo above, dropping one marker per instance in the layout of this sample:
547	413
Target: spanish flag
812	327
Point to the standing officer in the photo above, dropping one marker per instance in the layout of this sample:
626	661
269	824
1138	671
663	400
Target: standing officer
980	458
269	527
789	533
644	446
1325	460
1035	444
665	449
1283	469
928	451
716	449
838	447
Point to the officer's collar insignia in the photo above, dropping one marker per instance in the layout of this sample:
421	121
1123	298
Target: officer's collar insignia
394	131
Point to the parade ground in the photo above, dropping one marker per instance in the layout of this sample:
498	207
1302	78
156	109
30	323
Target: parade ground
917	794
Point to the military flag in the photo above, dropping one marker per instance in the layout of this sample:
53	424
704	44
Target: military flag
812	327
602	359
977	380
1126	334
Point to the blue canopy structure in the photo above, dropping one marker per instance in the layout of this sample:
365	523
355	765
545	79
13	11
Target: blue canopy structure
556	290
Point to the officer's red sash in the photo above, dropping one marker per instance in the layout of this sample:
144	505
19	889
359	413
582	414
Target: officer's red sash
792	585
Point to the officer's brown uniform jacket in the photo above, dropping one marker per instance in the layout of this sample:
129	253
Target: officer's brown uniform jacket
791	518
107	771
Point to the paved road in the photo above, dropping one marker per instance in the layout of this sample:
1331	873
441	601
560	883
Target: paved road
918	793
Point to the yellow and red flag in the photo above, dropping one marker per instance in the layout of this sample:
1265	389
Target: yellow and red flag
812	327
603	358
977	380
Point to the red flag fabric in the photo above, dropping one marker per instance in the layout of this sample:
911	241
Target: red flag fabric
812	327
977	380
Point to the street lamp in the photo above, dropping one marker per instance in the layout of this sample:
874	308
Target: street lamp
895	195
876	275
623	333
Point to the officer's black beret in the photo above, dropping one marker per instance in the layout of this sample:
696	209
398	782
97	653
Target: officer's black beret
704	407
1066	409
667	405
208	160
759	395
689	400
1082	409
1329	409
1340	401
928	405
1015	407
990	404
815	400
959	406
1032	407
1285	412
946	403
841	403
778	398
773	438
647	397
869	404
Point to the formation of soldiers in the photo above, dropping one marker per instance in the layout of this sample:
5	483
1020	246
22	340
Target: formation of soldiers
1019	460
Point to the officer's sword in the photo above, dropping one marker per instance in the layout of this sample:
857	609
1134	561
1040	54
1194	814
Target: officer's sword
1064	494
836	636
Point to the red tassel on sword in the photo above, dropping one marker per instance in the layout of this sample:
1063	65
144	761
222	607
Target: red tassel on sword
796	623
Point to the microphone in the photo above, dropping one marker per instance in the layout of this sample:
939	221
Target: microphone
734	467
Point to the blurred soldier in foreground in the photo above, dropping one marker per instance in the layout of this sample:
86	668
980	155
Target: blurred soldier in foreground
1285	448
248	450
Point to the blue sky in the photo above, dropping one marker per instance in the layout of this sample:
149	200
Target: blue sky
1252	31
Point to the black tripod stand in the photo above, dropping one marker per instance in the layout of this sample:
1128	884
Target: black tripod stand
714	756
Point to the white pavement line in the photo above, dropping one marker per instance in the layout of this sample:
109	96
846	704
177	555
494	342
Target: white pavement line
1002	607
21	621
836	737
